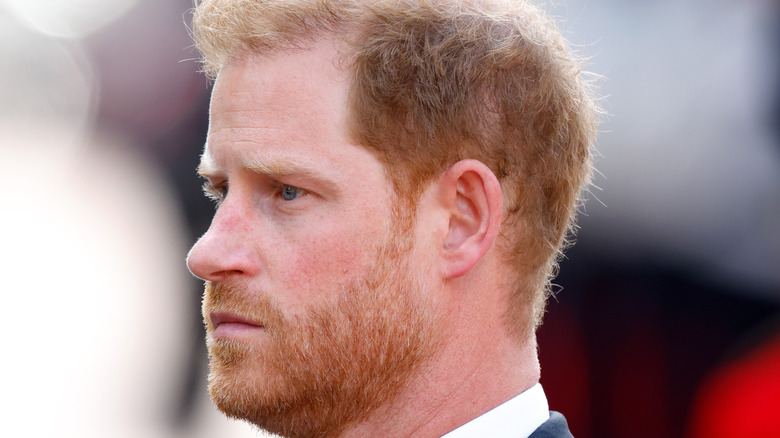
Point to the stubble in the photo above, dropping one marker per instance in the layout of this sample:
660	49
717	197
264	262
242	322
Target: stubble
321	372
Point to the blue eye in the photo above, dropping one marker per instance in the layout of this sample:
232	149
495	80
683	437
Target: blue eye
290	192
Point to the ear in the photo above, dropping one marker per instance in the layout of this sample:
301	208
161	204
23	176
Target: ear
471	195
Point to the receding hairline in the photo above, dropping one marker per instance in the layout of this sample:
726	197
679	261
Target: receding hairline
291	25
286	25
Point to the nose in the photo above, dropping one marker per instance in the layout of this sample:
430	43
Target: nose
225	250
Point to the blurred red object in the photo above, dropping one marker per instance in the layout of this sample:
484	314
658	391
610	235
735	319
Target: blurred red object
742	398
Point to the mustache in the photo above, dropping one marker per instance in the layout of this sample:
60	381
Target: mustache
235	300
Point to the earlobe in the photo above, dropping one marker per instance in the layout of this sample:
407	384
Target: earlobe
472	195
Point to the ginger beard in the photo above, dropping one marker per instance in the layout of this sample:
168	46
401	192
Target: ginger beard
318	373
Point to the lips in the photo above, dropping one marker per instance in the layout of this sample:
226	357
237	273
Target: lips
218	318
227	325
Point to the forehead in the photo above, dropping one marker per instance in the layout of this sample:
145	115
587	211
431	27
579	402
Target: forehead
280	106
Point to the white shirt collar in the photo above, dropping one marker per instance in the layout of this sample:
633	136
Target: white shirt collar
515	418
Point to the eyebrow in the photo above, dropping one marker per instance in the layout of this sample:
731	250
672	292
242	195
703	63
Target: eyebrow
275	169
203	170
285	168
206	167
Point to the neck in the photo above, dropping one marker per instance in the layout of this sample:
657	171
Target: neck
462	381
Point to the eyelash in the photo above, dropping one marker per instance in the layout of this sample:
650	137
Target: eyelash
216	193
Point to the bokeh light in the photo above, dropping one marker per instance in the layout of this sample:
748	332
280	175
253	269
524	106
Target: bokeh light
68	18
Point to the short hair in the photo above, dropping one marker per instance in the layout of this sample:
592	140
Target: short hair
438	81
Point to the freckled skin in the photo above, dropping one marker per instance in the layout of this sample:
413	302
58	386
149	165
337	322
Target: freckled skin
274	110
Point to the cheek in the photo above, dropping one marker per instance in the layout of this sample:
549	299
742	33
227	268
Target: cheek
317	266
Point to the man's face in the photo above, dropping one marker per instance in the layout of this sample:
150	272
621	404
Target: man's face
313	312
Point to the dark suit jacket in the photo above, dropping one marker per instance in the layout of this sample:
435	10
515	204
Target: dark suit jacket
555	427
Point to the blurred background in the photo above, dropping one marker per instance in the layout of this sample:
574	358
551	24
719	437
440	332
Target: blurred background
667	320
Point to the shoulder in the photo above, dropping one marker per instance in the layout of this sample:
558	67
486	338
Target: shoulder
555	427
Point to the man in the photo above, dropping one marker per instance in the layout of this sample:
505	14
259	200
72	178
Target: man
394	181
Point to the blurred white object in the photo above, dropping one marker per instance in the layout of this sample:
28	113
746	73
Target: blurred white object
93	262
68	18
46	81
